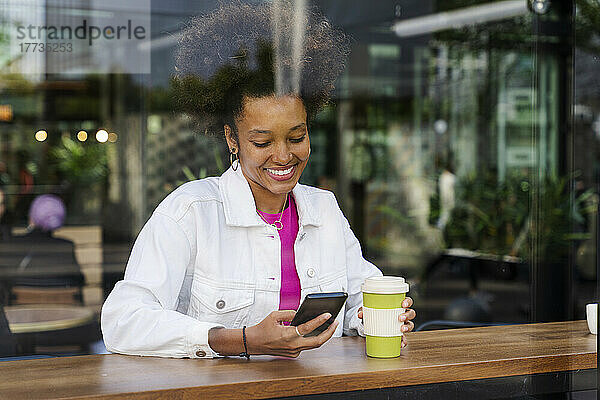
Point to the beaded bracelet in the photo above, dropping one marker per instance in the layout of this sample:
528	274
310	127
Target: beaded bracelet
245	353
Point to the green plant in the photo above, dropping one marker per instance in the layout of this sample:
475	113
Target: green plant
189	175
516	217
555	215
488	214
82	164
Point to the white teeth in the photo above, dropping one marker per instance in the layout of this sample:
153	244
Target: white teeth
284	172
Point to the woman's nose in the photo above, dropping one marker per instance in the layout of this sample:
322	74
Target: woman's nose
282	154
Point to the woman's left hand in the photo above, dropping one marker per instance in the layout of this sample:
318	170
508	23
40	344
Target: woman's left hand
407	316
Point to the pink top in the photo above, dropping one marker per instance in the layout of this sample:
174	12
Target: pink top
289	294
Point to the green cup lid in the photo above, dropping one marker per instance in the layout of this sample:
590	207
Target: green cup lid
385	285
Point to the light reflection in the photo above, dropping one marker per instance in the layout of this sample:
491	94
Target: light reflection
82	136
459	18
539	6
41	135
102	136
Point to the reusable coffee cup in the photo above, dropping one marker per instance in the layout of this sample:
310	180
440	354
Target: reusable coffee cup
382	306
592	317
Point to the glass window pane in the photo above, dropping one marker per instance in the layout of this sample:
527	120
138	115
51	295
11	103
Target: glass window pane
461	140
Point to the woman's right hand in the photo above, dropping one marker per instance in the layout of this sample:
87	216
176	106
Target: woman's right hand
271	337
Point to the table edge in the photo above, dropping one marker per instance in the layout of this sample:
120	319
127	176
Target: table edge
273	388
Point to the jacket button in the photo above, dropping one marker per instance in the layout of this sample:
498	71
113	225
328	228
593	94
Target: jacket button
310	272
220	304
201	353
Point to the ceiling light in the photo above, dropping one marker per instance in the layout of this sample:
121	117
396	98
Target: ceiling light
539	6
41	135
102	136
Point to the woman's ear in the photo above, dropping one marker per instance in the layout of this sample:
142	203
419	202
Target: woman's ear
231	143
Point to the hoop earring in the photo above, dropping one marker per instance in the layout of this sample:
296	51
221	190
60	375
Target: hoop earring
232	160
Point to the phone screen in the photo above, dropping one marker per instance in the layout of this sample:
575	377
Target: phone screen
315	304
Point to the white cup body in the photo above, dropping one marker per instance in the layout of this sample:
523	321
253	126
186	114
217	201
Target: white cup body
383	322
591	311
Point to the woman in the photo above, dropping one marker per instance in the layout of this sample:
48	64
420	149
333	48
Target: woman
223	262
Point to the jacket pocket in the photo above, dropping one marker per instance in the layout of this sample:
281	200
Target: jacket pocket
336	281
224	305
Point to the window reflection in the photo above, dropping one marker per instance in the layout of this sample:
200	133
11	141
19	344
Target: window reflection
460	142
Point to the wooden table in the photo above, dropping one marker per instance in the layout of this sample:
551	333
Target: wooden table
50	325
44	318
432	357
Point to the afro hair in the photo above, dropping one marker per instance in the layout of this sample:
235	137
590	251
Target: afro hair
246	50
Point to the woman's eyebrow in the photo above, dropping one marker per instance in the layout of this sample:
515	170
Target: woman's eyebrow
301	125
259	131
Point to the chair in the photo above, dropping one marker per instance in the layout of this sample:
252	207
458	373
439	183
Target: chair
38	268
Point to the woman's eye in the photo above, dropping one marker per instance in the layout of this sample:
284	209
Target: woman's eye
265	144
298	140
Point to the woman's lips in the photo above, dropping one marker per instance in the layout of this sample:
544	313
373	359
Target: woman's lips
278	177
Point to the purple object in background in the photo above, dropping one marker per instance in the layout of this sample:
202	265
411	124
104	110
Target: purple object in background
47	212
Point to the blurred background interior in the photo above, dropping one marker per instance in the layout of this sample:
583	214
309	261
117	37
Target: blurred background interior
462	141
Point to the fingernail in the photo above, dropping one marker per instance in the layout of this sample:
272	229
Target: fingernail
327	316
402	317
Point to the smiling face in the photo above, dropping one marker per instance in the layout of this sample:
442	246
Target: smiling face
273	147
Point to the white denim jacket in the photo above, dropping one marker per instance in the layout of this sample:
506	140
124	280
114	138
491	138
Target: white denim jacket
206	259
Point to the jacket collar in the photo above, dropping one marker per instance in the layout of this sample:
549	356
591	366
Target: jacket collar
240	208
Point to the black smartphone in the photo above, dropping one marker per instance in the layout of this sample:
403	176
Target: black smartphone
315	304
